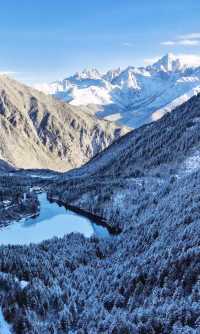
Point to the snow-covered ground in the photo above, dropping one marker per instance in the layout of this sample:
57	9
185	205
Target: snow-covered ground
191	164
133	96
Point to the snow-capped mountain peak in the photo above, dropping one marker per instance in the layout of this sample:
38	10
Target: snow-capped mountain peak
112	74
134	95
127	79
92	74
168	63
173	63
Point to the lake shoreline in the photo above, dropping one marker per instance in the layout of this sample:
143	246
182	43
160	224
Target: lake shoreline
85	213
53	219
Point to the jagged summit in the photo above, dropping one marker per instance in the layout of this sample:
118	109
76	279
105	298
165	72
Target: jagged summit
168	63
92	74
172	63
112	74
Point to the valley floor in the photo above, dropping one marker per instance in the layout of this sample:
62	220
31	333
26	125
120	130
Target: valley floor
143	281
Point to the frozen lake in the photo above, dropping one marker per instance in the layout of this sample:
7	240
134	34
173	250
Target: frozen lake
53	221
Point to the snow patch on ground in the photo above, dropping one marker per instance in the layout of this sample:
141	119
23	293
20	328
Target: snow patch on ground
23	284
191	164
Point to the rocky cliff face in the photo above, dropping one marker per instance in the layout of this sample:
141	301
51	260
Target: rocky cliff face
40	132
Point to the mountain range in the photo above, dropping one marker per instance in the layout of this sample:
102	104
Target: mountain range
145	186
132	96
38	131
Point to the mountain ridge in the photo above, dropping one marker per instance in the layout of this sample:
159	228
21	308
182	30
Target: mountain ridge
169	146
38	131
131	96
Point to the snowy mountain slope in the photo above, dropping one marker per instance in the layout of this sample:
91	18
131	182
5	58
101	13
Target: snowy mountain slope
169	146
154	152
133	95
38	131
166	143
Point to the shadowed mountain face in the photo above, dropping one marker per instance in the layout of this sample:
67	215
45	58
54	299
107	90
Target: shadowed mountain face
5	167
40	132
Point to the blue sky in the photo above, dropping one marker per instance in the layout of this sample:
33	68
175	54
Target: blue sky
47	40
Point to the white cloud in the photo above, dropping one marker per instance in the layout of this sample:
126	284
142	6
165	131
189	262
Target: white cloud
189	59
183	42
168	43
11	73
189	42
192	39
128	44
194	35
